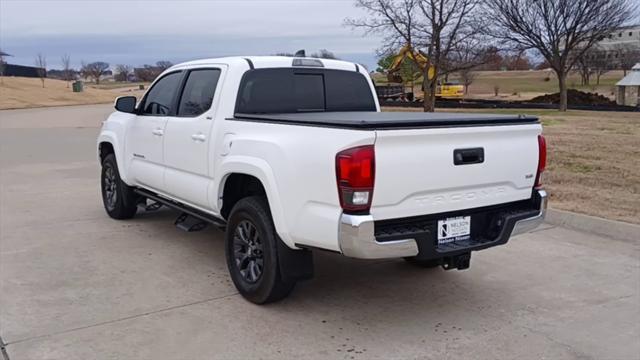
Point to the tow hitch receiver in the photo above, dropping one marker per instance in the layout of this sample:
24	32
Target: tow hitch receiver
189	223
460	262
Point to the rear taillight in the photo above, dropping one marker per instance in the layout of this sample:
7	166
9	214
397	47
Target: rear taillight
542	160
355	172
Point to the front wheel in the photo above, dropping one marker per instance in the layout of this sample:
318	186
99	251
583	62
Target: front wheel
118	198
251	252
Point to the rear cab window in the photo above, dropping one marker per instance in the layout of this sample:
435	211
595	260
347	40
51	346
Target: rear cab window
198	92
295	90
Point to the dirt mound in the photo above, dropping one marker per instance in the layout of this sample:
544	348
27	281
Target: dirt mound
574	97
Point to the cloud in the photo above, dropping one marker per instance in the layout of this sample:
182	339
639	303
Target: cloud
138	32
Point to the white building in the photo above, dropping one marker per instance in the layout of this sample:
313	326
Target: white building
625	36
618	51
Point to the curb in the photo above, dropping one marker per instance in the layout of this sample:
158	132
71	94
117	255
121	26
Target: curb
608	228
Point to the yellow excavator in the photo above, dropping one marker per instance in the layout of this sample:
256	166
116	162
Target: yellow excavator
447	90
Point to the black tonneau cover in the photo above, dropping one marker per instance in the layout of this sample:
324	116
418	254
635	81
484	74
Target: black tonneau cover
371	120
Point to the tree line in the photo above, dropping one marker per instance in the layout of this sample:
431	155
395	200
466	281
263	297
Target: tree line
96	71
456	36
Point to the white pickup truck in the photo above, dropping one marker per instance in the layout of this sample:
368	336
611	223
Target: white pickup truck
292	155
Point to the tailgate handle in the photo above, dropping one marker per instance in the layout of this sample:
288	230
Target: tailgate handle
468	156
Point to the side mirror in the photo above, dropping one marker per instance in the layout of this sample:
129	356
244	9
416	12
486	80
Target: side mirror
126	104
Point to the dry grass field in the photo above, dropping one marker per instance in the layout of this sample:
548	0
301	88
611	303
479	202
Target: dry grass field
593	162
524	85
19	93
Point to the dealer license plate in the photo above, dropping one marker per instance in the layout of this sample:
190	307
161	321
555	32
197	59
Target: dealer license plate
454	229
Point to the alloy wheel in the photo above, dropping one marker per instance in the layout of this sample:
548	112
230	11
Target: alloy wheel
110	188
247	251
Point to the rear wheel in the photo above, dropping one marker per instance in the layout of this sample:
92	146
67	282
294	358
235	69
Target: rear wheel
251	252
118	198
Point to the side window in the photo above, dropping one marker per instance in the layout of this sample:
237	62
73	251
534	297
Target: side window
198	92
160	98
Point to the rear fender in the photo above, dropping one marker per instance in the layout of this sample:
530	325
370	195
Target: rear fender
261	170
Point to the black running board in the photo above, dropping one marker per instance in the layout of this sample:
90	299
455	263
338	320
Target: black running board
215	221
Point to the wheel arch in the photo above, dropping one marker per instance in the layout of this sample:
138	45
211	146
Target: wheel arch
248	177
108	144
105	148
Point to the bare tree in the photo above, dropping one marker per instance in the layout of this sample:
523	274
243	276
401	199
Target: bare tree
561	31
583	67
94	70
628	56
395	20
163	65
122	72
599	61
517	61
435	27
66	68
449	29
468	57
146	73
41	66
467	76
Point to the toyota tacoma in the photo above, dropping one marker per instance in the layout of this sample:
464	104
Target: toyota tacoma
291	155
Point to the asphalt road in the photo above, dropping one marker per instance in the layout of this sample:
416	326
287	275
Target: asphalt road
75	284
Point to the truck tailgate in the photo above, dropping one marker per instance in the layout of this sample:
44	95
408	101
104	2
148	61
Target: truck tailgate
416	173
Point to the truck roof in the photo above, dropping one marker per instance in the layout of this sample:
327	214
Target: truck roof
260	62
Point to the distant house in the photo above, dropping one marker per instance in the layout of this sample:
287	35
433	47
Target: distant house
21	70
628	89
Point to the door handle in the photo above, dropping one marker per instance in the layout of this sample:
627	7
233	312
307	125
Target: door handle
158	132
198	137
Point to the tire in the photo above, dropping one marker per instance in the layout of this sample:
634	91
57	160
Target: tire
427	264
251	252
119	200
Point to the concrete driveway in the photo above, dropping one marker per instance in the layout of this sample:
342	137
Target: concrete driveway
75	284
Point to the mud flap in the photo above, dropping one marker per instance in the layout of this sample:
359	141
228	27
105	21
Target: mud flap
294	264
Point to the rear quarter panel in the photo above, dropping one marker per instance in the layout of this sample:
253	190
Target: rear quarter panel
296	165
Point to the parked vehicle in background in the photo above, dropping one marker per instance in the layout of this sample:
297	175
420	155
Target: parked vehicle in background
291	155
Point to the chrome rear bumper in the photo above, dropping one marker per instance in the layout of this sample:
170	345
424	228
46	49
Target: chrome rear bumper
526	225
357	239
357	235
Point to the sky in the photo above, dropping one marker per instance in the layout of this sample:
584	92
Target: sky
142	32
